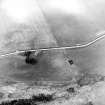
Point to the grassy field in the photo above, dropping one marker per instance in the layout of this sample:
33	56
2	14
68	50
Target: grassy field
54	28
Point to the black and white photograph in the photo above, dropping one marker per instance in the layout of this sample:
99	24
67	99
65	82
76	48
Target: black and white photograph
52	52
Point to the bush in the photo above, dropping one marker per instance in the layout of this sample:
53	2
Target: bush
31	101
42	97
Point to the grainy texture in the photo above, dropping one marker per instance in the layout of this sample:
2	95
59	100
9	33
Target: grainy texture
51	26
55	93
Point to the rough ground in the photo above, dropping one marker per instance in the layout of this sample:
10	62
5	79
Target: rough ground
91	92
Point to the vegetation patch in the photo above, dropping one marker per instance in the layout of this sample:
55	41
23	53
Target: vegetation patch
32	101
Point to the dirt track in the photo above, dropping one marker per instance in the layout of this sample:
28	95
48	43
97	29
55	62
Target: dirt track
67	29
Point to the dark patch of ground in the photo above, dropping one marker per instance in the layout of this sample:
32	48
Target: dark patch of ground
31	101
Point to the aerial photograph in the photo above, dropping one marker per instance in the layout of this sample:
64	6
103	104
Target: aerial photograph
52	52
